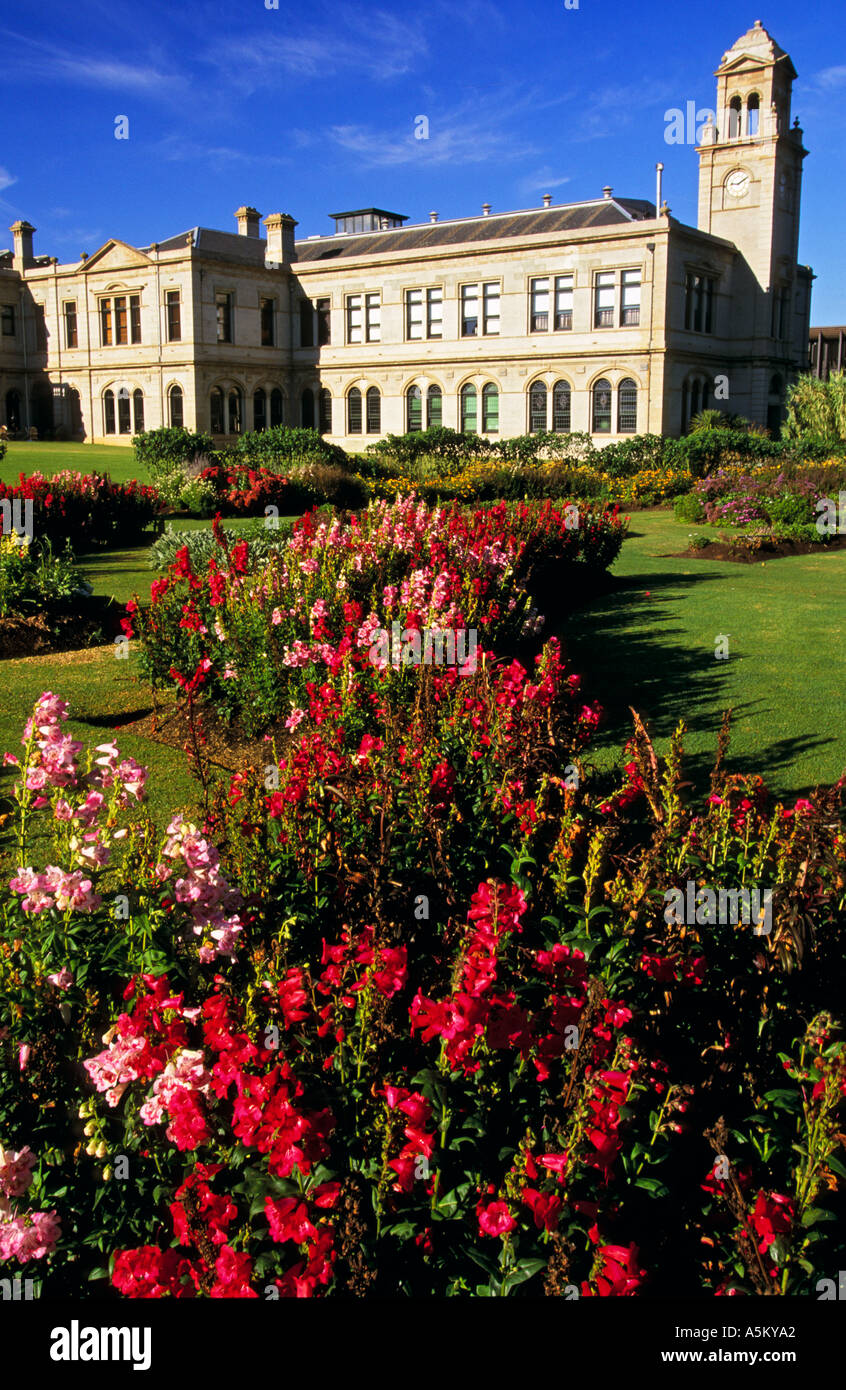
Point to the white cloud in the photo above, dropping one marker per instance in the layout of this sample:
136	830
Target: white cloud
6	179
829	79
544	180
377	44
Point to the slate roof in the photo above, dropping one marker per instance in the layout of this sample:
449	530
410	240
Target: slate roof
603	212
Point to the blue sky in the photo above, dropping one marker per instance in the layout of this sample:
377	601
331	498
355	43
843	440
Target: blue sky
310	109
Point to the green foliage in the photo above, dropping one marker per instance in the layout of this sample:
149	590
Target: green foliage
688	507
169	449
816	411
631	456
34	579
285	447
201	544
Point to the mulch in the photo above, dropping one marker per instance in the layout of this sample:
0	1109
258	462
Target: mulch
770	550
96	622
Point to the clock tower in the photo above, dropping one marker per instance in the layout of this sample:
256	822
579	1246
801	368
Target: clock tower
750	168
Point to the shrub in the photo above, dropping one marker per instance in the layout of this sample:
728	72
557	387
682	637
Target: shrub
201	544
816	411
630	456
688	507
287	447
169	449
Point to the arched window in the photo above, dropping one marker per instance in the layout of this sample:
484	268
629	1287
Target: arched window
108	412
235	411
776	385
685	407
124	416
138	411
734	115
561	407
13	411
753	114
706	393
325	411
354	411
468	409
602	407
277	408
537	407
218	425
177	417
434	408
413	409
374	411
695	398
490	408
260	409
627	407
307	406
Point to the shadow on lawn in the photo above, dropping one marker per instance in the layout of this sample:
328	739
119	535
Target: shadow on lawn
625	645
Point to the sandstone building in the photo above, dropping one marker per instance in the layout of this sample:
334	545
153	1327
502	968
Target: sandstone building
606	315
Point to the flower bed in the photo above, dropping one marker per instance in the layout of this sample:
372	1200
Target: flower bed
89	510
774	501
415	1021
254	636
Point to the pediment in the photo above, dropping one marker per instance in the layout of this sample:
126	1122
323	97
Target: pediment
117	256
745	62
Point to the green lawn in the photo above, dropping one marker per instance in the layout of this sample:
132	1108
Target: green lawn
650	644
25	457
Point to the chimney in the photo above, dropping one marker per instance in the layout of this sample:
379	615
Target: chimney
547	199
280	237
433	217
486	209
248	222
659	170
607	191
22	256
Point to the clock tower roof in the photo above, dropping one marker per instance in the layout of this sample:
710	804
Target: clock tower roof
758	45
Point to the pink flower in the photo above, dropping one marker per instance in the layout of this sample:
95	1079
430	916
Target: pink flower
63	979
16	1170
294	718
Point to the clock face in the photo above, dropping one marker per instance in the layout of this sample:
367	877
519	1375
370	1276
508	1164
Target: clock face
737	184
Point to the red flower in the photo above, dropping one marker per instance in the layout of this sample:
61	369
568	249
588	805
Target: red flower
288	1220
772	1216
495	1219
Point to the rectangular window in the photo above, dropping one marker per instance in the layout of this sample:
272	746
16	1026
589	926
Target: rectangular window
604	300
354	318
354	412
135	318
121	334
413	315
7	320
124	420
539	306
267	316
306	323
563	301
71	333
40	328
630	299
324	323
373	320
105	322
223	306
469	311
173	309
434	313
490	307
